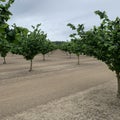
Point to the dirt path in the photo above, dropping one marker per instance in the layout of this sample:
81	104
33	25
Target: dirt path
21	90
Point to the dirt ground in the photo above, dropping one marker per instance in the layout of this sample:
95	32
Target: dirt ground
96	103
52	79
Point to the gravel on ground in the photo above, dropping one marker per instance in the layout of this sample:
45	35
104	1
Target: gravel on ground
96	103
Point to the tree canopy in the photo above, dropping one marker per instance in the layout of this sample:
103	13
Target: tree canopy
103	42
4	27
28	44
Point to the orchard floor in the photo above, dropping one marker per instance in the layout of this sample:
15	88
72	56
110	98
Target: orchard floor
42	93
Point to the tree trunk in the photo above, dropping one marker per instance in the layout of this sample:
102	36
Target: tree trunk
66	53
118	81
44	57
30	66
70	55
78	59
4	62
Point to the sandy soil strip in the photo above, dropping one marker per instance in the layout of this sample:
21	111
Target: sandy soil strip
97	103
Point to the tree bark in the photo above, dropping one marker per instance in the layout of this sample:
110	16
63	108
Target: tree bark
44	57
4	60
66	53
30	66
78	59
118	81
70	55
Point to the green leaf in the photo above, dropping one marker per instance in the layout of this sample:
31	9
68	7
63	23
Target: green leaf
3	0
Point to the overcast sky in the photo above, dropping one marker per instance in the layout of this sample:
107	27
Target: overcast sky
54	15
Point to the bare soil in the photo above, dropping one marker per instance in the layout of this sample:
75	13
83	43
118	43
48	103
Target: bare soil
96	103
52	79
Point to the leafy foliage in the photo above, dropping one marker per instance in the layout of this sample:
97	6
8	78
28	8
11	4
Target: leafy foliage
4	49
67	47
4	17
28	44
76	39
103	43
46	47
